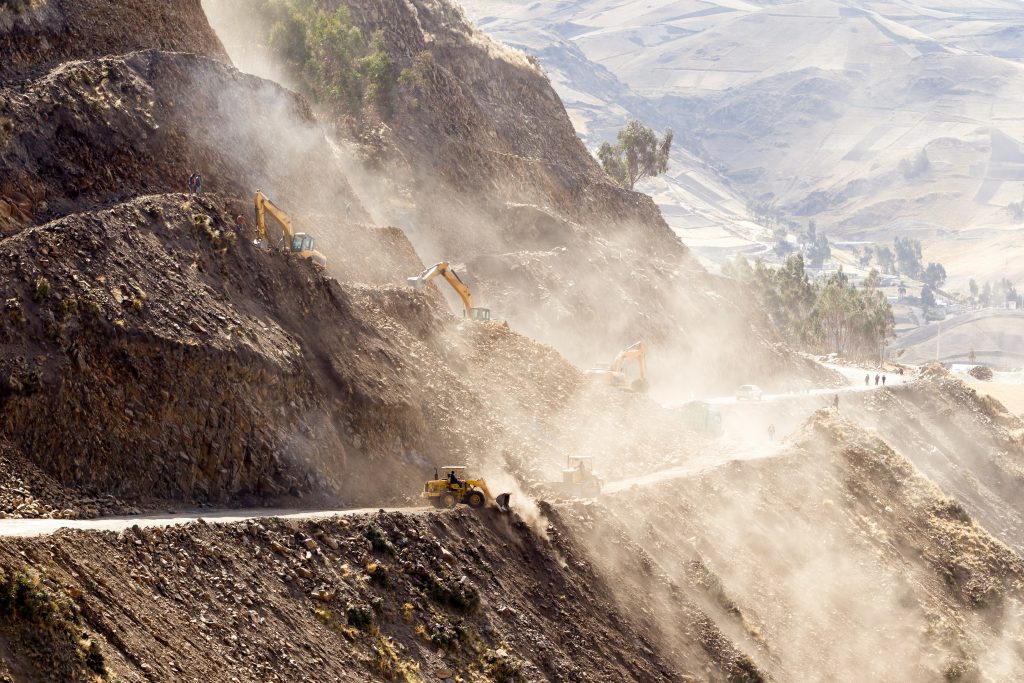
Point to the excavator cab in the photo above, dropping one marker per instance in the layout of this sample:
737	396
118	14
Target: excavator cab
479	314
298	243
302	242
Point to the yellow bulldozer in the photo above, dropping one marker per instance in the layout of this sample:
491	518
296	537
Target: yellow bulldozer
454	488
578	478
298	243
448	273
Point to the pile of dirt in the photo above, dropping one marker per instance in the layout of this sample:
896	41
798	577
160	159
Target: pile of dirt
981	372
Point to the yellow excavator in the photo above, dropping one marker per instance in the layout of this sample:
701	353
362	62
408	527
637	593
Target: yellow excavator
298	243
446	271
454	488
616	377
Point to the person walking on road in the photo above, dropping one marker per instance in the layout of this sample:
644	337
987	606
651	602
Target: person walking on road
771	432
876	380
883	380
835	402
867	380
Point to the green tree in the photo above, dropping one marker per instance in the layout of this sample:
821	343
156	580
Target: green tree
873	280
916	167
884	258
935	275
927	297
639	154
973	286
908	256
819	252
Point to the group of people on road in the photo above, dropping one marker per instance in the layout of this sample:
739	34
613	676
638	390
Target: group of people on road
867	380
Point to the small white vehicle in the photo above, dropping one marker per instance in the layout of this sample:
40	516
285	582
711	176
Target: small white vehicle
749	392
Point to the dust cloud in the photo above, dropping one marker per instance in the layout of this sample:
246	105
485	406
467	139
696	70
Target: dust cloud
805	561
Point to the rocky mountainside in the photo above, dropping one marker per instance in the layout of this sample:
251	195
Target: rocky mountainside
485	170
154	356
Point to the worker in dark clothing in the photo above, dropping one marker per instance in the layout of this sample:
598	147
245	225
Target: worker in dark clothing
192	184
835	402
452	479
876	380
199	184
883	380
867	380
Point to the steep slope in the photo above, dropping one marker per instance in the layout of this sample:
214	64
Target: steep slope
484	169
814	562
157	327
381	598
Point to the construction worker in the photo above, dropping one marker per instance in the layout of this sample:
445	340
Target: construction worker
192	183
883	380
876	380
452	479
199	184
835	402
867	380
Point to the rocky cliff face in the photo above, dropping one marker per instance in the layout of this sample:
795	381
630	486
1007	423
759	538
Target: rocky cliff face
483	168
49	32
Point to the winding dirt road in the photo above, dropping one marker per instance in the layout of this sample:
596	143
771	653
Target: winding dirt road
730	452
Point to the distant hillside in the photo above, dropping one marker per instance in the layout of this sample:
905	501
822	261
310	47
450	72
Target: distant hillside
821	107
996	336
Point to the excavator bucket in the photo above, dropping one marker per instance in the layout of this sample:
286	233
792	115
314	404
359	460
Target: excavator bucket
501	501
415	282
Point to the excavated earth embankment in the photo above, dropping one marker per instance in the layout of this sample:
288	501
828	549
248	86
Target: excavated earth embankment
814	561
437	596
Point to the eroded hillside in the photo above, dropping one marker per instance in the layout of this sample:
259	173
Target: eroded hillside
491	175
154	356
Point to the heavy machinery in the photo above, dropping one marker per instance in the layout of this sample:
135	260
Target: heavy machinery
454	488
578	478
445	270
298	243
616	377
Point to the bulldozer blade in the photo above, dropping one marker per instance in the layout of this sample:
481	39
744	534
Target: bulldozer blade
502	501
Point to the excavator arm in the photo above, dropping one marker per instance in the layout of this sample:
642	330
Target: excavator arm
638	351
445	270
265	206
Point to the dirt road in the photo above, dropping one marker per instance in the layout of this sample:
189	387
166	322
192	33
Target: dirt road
45	527
732	449
854	375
